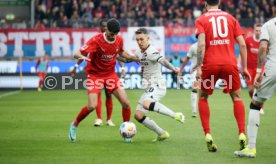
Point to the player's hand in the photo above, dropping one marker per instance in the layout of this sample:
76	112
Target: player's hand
73	72
245	74
258	80
198	73
84	58
176	70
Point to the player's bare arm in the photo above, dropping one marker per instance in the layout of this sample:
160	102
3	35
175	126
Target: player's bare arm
74	70
168	65
243	54
129	57
200	54
261	59
79	56
122	59
185	61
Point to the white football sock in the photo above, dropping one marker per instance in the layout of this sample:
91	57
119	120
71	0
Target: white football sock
149	123
252	128
160	108
194	102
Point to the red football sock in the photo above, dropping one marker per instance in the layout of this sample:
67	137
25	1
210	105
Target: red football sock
204	113
40	83
83	113
108	104
239	113
126	114
99	107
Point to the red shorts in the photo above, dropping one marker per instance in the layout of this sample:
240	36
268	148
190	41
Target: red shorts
41	75
94	84
252	73
228	73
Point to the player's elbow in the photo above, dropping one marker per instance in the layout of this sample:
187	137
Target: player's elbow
263	47
77	54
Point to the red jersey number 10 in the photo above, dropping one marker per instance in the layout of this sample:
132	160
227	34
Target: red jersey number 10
217	25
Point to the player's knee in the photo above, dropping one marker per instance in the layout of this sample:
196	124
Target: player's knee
91	106
139	117
125	104
236	95
146	104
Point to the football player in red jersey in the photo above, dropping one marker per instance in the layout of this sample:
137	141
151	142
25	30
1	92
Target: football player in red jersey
252	46
108	100
217	31
101	52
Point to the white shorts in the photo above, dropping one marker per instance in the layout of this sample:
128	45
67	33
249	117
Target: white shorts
153	93
268	87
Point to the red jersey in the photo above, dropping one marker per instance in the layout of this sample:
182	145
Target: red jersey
220	29
252	47
102	53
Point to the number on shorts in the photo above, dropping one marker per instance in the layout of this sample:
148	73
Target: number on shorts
150	89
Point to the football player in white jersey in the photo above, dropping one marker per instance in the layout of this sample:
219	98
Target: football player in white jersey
265	83
192	55
154	84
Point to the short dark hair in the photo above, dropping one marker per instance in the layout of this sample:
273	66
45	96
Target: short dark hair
141	31
113	25
103	21
274	3
212	2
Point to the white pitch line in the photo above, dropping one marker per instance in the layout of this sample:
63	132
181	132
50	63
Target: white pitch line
9	94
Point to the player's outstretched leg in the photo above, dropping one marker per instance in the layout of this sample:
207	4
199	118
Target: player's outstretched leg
150	124
92	104
160	108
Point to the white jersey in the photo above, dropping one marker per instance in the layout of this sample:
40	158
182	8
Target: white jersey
192	54
150	66
268	33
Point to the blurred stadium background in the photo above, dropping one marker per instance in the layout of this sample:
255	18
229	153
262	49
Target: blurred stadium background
31	28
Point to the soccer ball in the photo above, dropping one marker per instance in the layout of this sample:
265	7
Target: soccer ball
127	129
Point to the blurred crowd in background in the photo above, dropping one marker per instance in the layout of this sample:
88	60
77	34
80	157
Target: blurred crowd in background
87	13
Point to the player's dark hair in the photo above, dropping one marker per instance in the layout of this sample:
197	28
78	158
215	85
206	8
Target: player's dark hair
212	2
258	25
113	25
141	31
274	3
103	21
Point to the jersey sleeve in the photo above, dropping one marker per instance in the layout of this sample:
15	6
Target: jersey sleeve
155	56
199	27
89	47
237	31
264	33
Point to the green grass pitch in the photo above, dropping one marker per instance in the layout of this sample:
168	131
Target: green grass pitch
34	130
